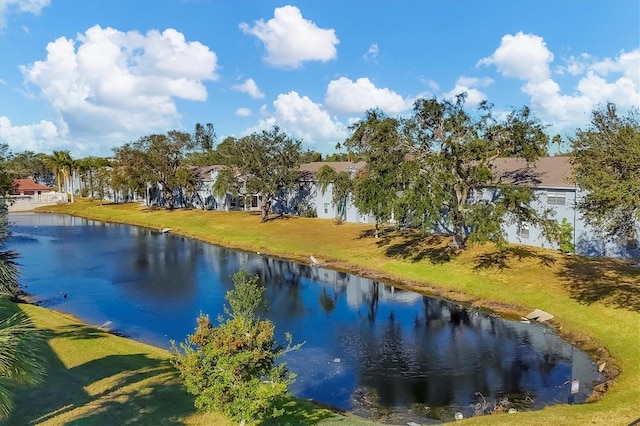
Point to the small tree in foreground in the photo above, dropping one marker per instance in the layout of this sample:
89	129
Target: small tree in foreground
232	368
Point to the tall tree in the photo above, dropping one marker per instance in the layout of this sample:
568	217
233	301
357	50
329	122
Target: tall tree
204	137
265	163
453	151
378	141
63	167
30	165
231	368
154	159
203	152
87	169
606	159
310	156
7	184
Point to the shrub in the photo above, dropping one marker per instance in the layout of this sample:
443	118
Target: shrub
566	237
232	368
310	213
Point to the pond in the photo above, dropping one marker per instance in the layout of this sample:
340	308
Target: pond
370	348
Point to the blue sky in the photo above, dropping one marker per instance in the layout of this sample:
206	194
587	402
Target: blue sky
90	75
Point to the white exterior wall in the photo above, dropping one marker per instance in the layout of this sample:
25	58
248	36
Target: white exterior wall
351	214
586	240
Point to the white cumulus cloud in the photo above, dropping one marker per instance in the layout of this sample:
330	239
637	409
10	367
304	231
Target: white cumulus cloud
469	86
527	58
33	137
250	88
112	84
523	56
12	7
300	117
243	112
291	40
355	97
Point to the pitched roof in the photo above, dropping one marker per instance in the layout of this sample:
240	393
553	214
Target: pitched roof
548	172
30	185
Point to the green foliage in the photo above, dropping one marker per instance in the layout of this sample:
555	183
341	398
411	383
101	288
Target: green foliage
232	368
309	212
606	158
8	264
7	185
453	151
265	163
310	156
63	166
378	141
566	237
154	159
94	173
28	165
246	297
20	357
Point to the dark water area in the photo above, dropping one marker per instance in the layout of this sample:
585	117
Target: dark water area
370	348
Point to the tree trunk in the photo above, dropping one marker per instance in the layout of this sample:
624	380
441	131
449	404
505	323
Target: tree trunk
73	200
266	206
458	234
168	198
377	229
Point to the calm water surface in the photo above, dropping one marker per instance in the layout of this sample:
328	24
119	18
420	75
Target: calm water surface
370	348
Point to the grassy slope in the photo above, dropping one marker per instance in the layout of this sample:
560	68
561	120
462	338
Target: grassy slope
596	301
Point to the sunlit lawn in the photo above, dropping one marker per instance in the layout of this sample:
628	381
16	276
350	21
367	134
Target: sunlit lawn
596	302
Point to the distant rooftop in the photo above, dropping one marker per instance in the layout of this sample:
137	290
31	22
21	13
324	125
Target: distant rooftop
30	185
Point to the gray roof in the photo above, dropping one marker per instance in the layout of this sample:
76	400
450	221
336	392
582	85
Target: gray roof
546	172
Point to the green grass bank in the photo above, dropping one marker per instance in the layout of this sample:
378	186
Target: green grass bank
596	303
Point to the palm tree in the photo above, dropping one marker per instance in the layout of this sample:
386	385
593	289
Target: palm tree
20	361
63	166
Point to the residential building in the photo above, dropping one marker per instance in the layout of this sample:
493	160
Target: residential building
29	195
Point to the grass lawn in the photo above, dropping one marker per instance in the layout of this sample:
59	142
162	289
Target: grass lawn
596	303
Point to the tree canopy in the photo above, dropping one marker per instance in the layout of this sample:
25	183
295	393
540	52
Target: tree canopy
265	163
154	159
606	159
452	151
378	141
232	368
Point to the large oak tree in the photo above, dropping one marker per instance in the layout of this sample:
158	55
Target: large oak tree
265	163
606	158
453	150
378	141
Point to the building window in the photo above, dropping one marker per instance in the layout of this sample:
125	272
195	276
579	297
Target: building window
326	207
523	231
556	198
